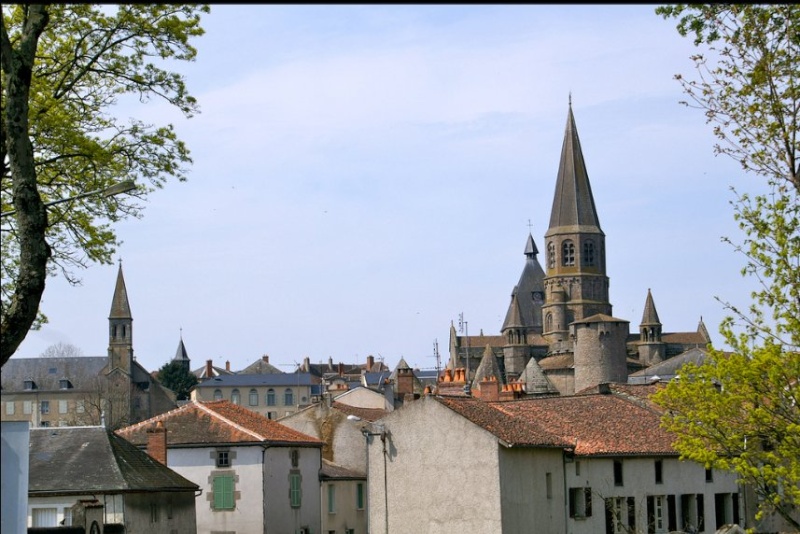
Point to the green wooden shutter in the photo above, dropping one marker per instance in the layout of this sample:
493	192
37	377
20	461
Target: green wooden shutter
223	492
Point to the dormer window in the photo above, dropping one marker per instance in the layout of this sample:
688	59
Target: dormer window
29	384
64	383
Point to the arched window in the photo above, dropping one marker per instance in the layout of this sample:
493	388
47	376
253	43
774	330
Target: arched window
217	394
588	252
235	397
253	397
548	322
270	397
551	255
567	253
288	397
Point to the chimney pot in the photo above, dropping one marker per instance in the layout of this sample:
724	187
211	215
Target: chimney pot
265	358
227	365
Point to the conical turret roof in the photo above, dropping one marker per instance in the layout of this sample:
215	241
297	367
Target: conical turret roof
573	203
120	309
181	354
524	309
514	315
650	315
487	368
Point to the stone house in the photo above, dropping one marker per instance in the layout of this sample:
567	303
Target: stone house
591	463
73	469
256	474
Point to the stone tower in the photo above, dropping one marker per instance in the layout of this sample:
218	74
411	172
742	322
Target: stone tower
600	350
651	348
575	284
120	334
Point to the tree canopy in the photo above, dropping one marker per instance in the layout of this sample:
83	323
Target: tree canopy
177	378
65	68
739	410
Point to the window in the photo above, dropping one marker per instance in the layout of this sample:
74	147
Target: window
113	508
709	475
295	493
62	406
253	397
44	407
659	472
331	499
551	255
27	407
288	397
44	517
10	408
580	502
618	472
44	424
360	496
567	253
548	482
588	253
235	397
223	459
272	415
154	512
270	397
294	456
29	384
620	515
577	468
67	516
80	407
64	383
217	394
548	323
223	492
657	514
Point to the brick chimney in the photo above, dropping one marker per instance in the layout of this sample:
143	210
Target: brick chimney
227	365
209	369
157	442
265	358
341	369
405	382
370	362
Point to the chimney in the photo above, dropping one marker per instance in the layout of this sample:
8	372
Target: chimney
227	365
157	442
306	365
405	382
209	369
265	358
370	362
341	369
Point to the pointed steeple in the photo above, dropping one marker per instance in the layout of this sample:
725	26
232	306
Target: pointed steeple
530	247
120	308
514	315
181	354
573	203
650	315
487	368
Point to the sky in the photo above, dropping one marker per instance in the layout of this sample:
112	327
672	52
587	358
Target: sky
366	175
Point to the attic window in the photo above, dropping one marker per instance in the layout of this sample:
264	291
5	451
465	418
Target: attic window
52	370
64	383
29	384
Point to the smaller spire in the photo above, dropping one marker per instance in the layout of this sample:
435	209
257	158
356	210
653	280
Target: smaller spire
514	315
181	354
120	308
650	315
530	247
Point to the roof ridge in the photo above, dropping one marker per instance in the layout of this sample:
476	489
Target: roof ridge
234	424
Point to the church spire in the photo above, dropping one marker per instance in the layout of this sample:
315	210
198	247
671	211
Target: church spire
120	308
573	203
120	328
650	315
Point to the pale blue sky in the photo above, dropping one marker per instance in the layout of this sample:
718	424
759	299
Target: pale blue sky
363	174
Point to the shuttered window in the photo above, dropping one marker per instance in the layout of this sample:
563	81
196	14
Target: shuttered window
223	492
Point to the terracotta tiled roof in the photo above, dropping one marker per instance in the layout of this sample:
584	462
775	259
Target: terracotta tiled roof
367	414
198	423
594	425
514	431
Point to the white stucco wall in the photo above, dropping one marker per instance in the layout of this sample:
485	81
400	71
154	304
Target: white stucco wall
435	485
280	515
346	514
365	398
198	464
679	477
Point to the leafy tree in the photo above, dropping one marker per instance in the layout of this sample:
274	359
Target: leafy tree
739	410
177	378
64	69
61	350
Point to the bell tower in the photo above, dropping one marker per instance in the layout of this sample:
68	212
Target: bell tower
120	329
575	282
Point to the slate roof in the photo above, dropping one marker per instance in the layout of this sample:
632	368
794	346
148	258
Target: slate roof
261	367
120	307
252	380
332	471
668	368
46	373
94	460
217	422
591	425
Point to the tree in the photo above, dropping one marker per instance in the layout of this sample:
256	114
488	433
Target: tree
61	350
739	410
64	69
177	378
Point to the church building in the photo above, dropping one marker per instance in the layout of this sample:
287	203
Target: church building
559	334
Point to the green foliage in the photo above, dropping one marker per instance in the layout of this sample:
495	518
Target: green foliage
739	411
65	69
177	378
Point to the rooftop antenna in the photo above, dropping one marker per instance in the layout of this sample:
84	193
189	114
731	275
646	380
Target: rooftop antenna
463	326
